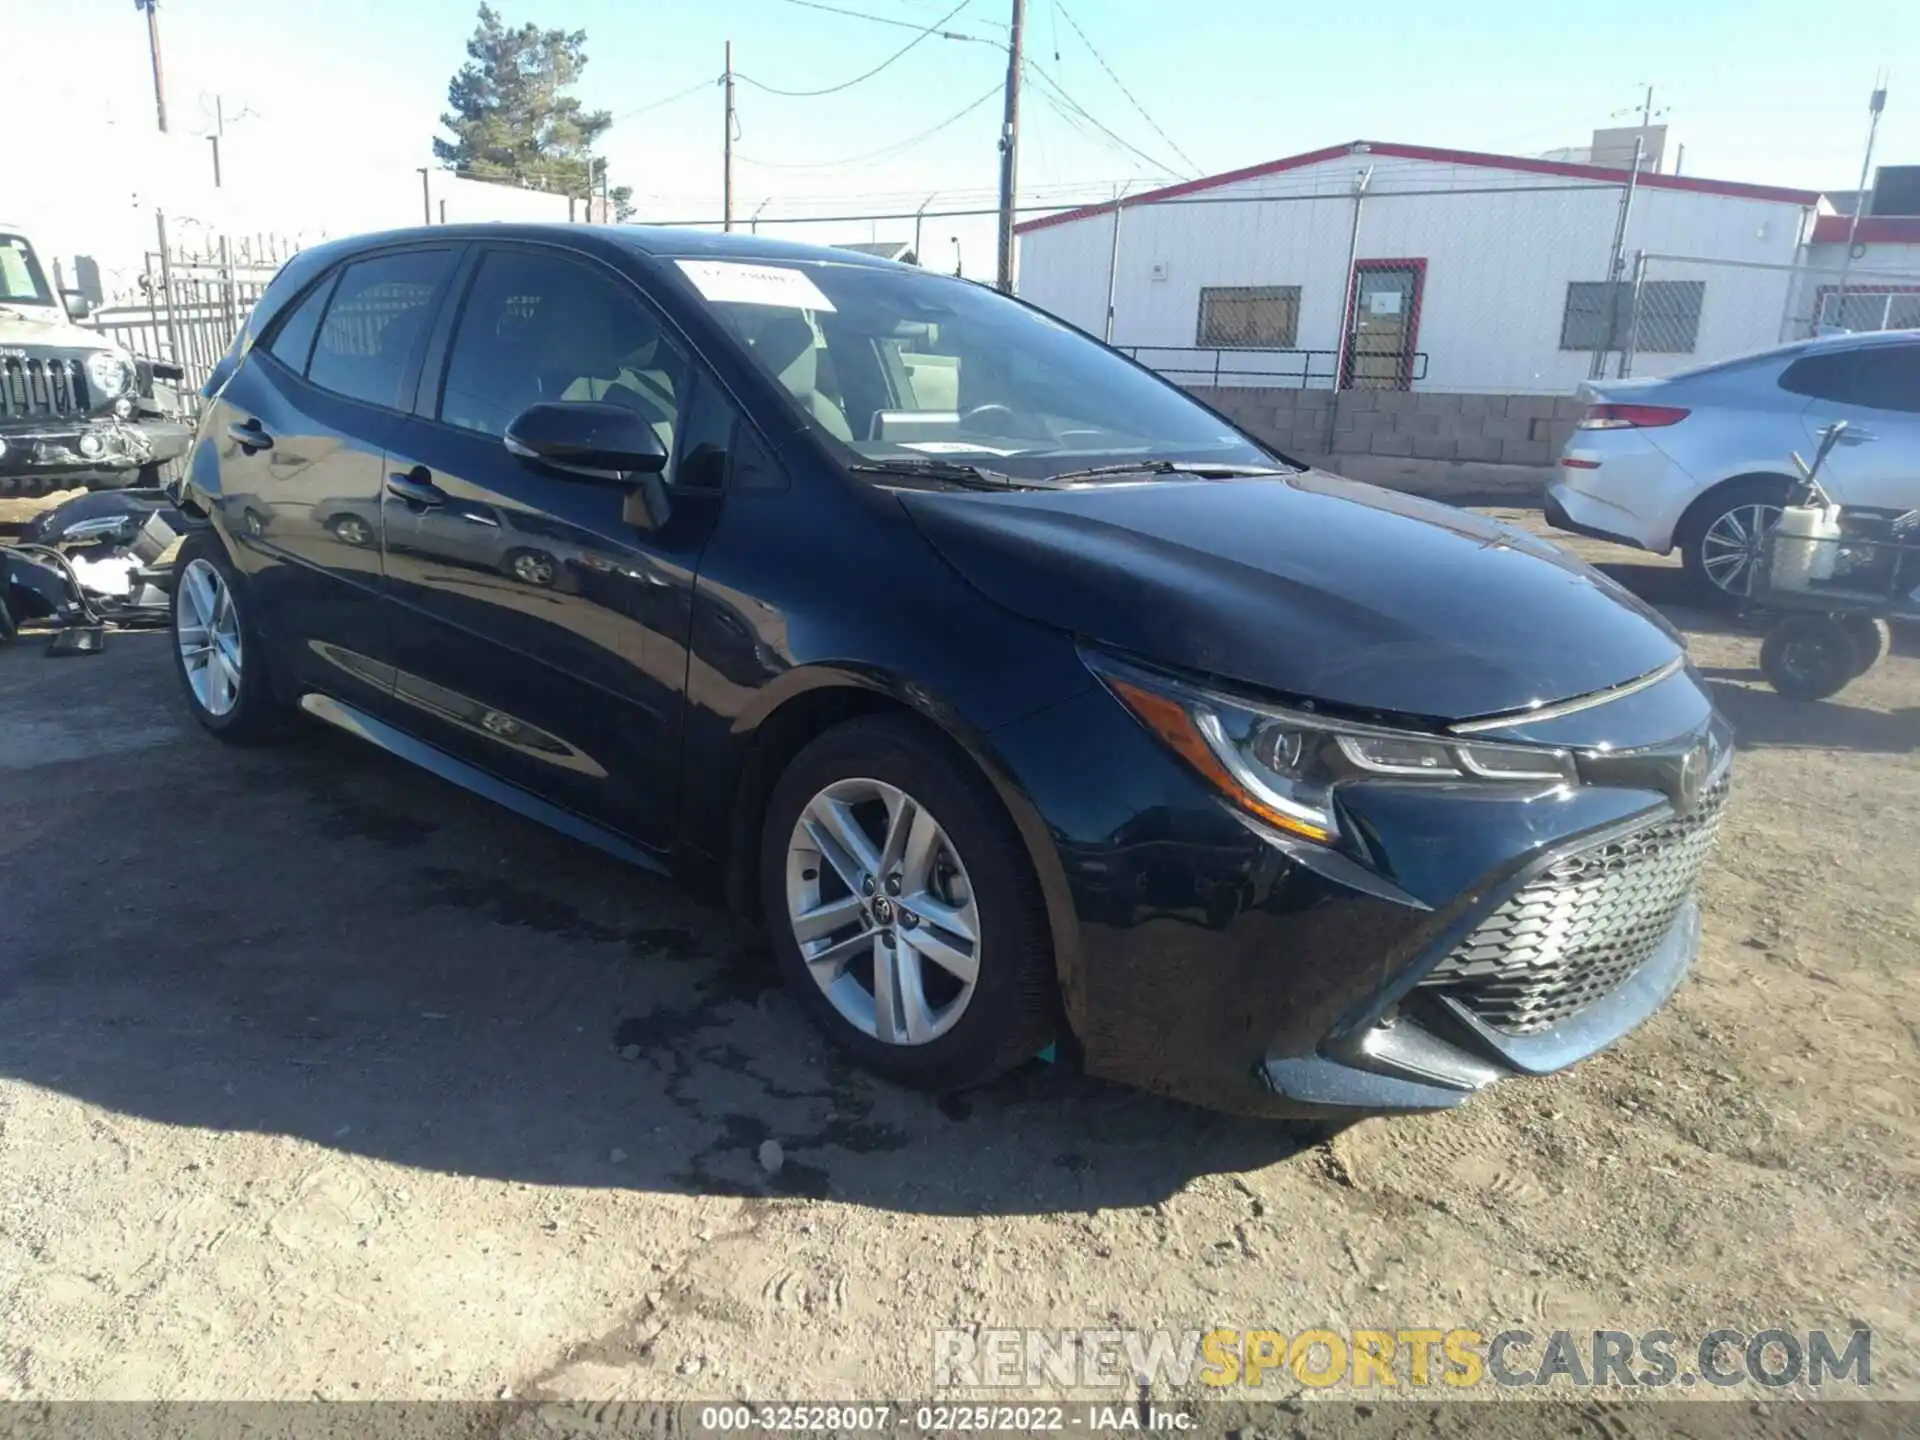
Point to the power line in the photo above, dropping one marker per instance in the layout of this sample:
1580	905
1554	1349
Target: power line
694	89
888	20
886	152
1067	15
926	34
1077	108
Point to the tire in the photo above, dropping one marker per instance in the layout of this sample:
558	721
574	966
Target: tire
532	567
1719	577
229	690
1870	637
1809	656
972	869
352	530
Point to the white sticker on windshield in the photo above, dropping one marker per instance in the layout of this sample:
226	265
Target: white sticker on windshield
732	282
951	447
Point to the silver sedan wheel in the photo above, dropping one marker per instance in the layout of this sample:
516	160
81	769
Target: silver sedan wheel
207	628
883	911
1730	547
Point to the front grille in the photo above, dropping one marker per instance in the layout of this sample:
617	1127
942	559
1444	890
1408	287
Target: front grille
1582	926
35	389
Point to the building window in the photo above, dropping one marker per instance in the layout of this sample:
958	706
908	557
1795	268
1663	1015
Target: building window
1249	317
1599	316
1869	307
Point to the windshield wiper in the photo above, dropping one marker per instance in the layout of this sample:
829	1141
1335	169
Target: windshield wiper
1206	470
956	471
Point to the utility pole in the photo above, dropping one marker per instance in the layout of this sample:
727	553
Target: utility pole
918	216
153	48
219	131
1875	105
1010	147
426	196
726	182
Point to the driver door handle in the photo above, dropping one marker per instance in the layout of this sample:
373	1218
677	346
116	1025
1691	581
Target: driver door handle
416	487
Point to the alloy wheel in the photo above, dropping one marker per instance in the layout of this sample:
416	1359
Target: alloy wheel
533	569
207	629
1730	546
883	912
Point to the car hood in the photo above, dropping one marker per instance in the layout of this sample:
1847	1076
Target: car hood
1307	585
47	325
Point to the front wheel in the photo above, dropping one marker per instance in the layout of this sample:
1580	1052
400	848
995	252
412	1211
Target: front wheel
903	912
1809	657
218	652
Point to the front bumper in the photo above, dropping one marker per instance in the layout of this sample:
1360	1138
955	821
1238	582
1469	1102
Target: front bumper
1209	960
102	452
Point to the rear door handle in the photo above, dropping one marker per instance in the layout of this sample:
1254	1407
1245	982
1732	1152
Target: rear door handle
249	435
416	487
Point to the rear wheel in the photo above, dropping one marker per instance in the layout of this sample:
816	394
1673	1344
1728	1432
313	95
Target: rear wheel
903	912
1721	546
217	649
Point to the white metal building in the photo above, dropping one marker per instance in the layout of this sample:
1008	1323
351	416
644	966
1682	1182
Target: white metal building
1404	266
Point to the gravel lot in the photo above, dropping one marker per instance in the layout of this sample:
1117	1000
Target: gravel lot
320	1078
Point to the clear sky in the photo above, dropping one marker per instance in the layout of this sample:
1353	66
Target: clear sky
1762	91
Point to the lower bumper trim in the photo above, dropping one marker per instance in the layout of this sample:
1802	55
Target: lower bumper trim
1558	517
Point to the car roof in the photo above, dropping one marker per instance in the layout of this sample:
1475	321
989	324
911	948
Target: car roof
650	240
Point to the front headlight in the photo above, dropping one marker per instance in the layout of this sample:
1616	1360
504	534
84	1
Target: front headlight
108	374
1281	765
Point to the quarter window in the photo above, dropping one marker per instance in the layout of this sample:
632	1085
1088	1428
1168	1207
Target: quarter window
379	311
540	328
292	343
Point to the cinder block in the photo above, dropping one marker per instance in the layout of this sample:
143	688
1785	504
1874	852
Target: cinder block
1460	427
1481	406
1284	399
1499	427
1435	447
1530	407
1523	452
1477	447
1359	399
1559	434
1314	399
1568	407
1397	401
1420	423
1386	443
1439	401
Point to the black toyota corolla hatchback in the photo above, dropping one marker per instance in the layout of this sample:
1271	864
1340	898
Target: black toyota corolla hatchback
1018	696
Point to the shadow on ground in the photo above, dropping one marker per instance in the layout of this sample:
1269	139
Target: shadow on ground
320	942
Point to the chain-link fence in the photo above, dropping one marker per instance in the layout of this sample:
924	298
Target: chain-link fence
1673	300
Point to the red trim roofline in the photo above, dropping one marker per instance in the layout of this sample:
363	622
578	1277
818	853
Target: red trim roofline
1874	230
1731	188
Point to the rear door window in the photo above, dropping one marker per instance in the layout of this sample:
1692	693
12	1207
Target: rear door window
1876	377
375	321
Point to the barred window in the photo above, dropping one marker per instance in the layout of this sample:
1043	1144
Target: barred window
1249	317
1599	316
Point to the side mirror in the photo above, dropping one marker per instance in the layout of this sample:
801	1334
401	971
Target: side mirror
591	440
79	307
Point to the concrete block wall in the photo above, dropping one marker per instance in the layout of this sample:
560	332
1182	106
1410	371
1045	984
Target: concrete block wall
1484	429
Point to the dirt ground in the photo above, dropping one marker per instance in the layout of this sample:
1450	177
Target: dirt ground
312	1084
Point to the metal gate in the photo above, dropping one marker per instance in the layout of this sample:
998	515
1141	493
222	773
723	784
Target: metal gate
193	301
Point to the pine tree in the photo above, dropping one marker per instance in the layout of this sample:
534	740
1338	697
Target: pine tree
510	116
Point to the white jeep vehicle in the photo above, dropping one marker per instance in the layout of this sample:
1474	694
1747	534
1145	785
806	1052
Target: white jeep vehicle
76	410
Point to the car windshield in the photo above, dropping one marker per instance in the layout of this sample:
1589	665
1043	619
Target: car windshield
900	366
22	281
